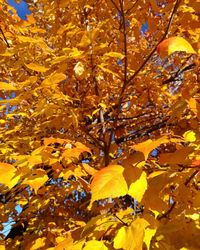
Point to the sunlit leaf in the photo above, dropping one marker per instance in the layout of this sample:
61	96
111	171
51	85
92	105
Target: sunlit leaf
8	175
36	67
95	244
173	44
147	146
131	237
6	86
54	79
189	136
138	188
115	55
64	243
38	244
149	233
37	179
108	182
79	69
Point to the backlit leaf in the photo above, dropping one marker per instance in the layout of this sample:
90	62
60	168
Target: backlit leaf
138	188
149	233
6	86
173	44
38	243
115	55
79	69
36	67
108	182
64	243
8	175
131	237
36	180
147	146
95	244
189	136
54	79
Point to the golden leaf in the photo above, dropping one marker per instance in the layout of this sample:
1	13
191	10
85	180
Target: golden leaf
36	67
64	243
40	242
6	86
173	44
54	79
149	233
138	188
79	69
95	244
131	237
147	146
108	182
37	179
189	136
8	175
114	54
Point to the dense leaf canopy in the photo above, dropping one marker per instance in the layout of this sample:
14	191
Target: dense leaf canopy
99	125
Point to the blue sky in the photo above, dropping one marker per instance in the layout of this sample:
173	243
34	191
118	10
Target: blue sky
21	8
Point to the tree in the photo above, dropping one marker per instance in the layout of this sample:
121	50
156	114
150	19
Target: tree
100	125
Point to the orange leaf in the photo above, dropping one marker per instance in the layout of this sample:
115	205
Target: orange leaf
147	146
108	182
173	44
37	179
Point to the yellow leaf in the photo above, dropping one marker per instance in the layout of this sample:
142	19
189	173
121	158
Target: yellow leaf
103	67
8	175
64	243
138	188
79	69
36	67
2	247
131	237
115	55
85	41
73	53
37	179
54	79
173	44
6	86
34	160
108	182
40	242
193	104
149	233
95	245
147	146
189	136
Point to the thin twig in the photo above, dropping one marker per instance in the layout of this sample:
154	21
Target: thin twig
112	1
164	215
4	37
191	177
124	223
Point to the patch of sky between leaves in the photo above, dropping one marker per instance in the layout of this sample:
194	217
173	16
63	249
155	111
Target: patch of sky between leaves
21	8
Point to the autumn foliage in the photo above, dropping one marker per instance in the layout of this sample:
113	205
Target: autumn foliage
99	125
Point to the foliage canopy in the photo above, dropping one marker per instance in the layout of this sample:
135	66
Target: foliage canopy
100	111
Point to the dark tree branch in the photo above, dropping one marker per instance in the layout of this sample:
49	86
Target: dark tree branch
164	215
124	223
191	177
4	37
142	132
